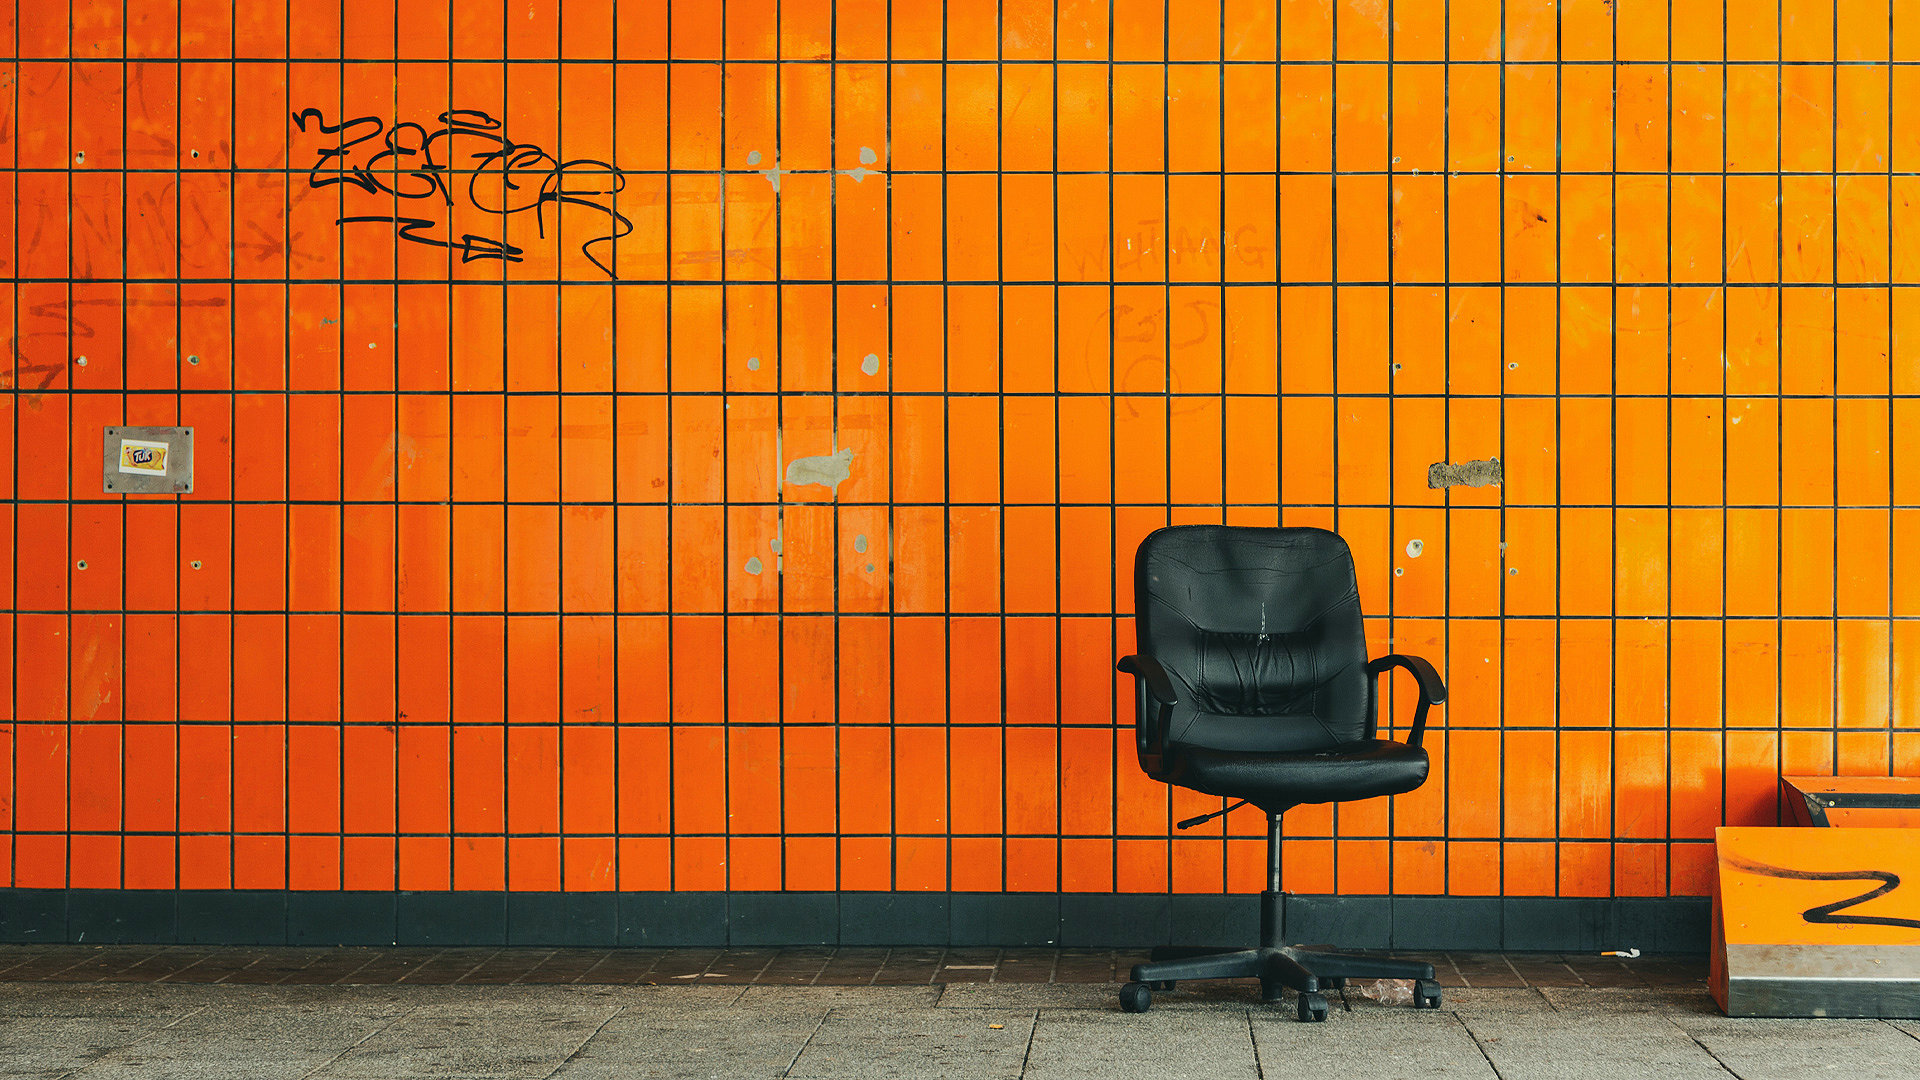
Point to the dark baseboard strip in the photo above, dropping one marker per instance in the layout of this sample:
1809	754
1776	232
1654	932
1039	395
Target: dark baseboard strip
1092	920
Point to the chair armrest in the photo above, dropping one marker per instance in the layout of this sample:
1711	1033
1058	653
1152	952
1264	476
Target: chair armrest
1432	690
1147	668
1431	687
1150	737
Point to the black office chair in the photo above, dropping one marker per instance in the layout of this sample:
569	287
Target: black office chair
1254	685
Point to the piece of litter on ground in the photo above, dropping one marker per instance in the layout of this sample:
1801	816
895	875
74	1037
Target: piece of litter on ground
969	967
1387	991
1628	953
996	1027
703	975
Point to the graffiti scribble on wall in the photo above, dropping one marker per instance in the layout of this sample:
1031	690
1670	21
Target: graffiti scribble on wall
469	153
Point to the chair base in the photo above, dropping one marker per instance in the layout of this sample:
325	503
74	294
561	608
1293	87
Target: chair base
1306	971
1282	968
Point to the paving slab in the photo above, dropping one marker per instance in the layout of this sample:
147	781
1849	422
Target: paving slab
1373	1040
534	1003
1787	1049
242	1040
1631	999
1490	1001
499	1048
961	1044
1166	1044
1635	1046
101	1031
1095	996
1192	994
667	998
641	1043
840	997
94	999
57	1044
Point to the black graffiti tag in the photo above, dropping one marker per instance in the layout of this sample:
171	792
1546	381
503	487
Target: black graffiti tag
1830	913
501	177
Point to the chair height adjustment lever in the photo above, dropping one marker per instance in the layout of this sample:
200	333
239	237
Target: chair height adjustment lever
1203	818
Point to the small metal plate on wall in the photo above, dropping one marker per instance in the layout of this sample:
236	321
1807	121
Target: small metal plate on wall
148	460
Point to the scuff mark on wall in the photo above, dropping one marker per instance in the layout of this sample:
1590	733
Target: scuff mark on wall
404	450
773	174
400	453
828	470
1466	474
867	157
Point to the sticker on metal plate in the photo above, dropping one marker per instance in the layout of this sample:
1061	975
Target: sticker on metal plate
143	458
147	460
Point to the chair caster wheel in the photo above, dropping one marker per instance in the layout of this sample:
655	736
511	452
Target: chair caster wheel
1162	984
1135	998
1313	1008
1426	994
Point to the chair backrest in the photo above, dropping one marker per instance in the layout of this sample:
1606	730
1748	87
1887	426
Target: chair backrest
1255	622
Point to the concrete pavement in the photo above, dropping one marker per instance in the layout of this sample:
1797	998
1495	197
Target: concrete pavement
96	1031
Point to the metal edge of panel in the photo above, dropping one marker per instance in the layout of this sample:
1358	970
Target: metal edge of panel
1801	806
1839	998
1817	803
1870	800
1852	981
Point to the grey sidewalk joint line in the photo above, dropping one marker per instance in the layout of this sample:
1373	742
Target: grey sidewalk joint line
772	955
95	1057
1259	1070
583	1042
808	1041
518	980
475	966
1704	1049
168	977
415	969
1033	1030
1507	959
345	1050
345	976
1478	1045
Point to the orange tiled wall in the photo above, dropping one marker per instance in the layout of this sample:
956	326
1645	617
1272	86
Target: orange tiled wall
500	573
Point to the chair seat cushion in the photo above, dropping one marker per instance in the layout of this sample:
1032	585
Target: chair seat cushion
1276	780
